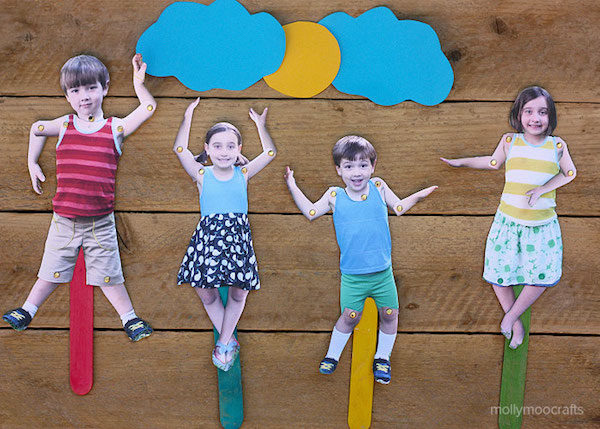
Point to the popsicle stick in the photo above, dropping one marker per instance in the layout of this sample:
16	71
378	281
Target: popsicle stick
514	369
81	333
360	405
231	400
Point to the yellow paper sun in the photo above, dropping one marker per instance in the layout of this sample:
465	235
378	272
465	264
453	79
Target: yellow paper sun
311	62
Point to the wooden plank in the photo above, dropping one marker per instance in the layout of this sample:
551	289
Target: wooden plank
514	373
495	48
81	330
445	381
438	263
409	141
364	342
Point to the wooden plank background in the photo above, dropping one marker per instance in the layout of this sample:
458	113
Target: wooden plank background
447	359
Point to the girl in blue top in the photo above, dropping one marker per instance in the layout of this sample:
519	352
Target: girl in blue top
220	251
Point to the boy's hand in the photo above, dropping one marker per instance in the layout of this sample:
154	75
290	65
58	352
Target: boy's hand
189	112
35	172
452	162
139	68
534	195
289	176
259	120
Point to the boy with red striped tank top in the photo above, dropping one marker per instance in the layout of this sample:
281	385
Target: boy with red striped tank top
87	153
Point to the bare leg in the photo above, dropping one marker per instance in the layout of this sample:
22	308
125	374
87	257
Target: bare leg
119	298
40	291
526	298
235	305
388	323
346	323
213	305
506	297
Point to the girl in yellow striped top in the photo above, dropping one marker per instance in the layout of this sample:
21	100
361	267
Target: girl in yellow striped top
524	246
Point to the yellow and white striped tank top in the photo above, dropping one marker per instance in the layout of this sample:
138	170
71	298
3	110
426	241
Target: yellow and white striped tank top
528	166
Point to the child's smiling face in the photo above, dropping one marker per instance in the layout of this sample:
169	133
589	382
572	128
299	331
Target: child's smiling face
87	99
356	173
223	149
534	116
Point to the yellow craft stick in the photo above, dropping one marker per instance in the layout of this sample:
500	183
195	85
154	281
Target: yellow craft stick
360	405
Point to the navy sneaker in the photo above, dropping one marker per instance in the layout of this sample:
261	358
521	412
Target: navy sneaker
328	365
382	370
137	329
18	318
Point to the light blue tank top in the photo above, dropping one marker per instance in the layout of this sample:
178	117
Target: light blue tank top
363	233
223	196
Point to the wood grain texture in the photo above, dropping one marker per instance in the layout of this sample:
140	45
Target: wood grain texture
442	381
409	141
438	265
495	48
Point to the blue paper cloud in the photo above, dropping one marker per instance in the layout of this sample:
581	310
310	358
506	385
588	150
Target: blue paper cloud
389	61
213	46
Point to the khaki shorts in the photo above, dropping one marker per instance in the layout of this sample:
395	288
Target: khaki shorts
97	235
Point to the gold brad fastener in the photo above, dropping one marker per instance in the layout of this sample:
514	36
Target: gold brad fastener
399	208
120	128
363	197
312	212
508	139
493	162
571	172
65	124
179	149
388	311
106	279
56	275
244	170
150	107
333	193
91	118
378	183
201	171
40	128
559	145
271	153
353	315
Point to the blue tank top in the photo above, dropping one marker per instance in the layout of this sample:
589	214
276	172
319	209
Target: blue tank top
223	196
363	233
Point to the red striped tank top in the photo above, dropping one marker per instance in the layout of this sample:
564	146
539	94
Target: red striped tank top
86	166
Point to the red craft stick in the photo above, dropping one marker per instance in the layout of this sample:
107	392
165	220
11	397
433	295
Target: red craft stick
81	330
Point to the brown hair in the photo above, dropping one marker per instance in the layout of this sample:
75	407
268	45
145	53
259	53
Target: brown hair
351	147
524	97
83	70
218	128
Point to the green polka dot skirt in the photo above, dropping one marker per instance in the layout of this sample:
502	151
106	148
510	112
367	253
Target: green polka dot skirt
517	254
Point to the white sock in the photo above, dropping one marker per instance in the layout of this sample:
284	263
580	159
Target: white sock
337	344
385	344
126	317
30	308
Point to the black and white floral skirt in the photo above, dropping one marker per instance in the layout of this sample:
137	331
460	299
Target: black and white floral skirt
221	254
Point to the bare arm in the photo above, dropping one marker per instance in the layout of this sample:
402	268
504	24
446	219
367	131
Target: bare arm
401	206
493	162
180	147
567	173
37	139
147	103
308	209
269	151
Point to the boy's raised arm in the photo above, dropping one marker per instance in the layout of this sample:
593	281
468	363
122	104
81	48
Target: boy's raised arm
401	206
308	209
147	103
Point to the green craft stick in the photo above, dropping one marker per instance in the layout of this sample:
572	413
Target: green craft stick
514	368
231	400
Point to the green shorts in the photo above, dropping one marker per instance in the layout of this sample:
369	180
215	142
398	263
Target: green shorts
380	286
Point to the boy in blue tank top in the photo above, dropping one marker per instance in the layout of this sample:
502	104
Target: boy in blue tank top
360	217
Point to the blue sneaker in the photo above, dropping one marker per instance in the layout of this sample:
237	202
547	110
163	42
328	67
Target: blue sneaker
382	370
18	318
328	365
137	329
